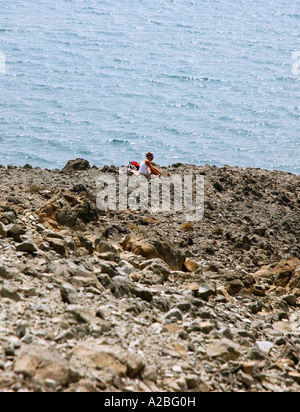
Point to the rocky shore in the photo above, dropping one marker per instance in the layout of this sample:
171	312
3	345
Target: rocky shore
137	301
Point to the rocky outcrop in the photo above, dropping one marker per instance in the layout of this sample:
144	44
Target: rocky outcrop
44	366
152	245
284	274
67	209
76	165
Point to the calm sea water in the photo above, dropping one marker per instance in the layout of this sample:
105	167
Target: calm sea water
194	81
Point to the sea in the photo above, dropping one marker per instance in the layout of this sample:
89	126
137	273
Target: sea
193	81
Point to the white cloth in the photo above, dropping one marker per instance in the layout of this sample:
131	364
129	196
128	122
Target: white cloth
144	170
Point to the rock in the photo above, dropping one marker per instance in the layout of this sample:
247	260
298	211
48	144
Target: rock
59	245
174	313
14	229
67	209
291	351
3	230
264	346
157	266
190	265
224	349
295	282
290	299
76	165
206	327
150	373
102	247
129	322
278	273
41	363
21	331
110	268
142	293
205	291
154	244
256	354
28	246
7	272
259	290
79	188
283	326
256	307
192	381
83	315
109	356
68	294
10	292
249	367
235	287
295	376
188	227
184	306
246	379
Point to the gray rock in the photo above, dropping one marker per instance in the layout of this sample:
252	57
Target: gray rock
174	313
157	266
184	306
41	363
10	292
142	293
109	268
290	299
264	346
259	290
235	287
76	165
3	230
21	331
109	356
155	244
224	349
68	294
205	291
59	245
8	273
27	246
14	229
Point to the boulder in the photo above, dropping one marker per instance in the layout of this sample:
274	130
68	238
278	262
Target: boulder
224	349
28	246
68	294
157	266
279	274
41	363
154	244
76	165
15	230
68	209
10	292
190	265
204	291
174	313
98	356
59	245
7	272
235	287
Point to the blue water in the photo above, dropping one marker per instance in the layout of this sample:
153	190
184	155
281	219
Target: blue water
194	81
